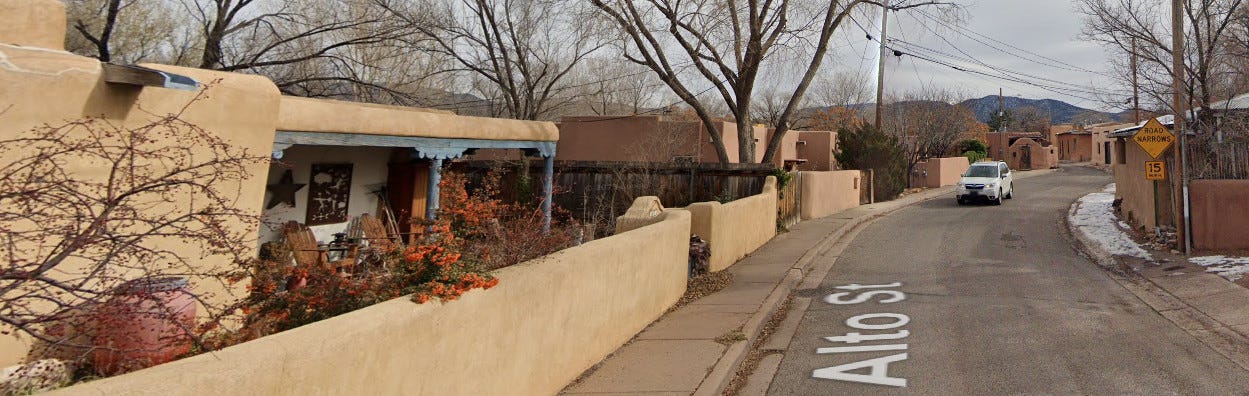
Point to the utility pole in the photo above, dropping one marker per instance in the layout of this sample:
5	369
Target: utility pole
1136	88
1001	125
880	74
1177	97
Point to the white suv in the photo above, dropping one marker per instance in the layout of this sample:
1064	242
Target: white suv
987	180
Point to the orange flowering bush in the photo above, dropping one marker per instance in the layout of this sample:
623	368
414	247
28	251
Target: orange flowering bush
475	232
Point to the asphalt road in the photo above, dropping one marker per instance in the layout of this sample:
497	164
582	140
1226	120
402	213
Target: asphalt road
993	300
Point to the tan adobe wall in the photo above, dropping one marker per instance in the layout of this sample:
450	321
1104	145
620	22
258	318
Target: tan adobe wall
1078	148
546	322
939	172
33	23
41	86
644	211
1043	157
1220	214
1137	192
320	115
825	193
737	228
817	148
643	138
787	151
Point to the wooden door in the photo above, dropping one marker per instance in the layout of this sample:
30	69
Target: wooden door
407	188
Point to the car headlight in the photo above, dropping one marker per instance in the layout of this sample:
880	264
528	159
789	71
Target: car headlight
991	185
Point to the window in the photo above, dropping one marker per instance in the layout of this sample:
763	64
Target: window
982	171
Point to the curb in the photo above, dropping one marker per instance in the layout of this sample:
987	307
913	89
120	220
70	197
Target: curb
726	368
1220	338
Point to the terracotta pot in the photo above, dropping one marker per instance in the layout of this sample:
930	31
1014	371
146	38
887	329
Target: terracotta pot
145	324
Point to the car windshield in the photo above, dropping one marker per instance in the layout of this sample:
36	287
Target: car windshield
981	171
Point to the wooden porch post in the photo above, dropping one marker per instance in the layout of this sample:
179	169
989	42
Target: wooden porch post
548	185
435	177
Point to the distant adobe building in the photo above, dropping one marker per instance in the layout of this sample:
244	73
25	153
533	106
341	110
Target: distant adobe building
1023	150
657	138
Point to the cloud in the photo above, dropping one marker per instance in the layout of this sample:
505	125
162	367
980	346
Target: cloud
1049	28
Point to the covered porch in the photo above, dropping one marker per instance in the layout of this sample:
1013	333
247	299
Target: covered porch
335	161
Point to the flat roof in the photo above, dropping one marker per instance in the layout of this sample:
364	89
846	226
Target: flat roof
298	114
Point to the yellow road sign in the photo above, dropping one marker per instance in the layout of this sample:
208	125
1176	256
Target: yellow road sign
1154	138
1155	170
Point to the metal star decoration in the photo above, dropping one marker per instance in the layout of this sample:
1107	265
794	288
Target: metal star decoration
284	191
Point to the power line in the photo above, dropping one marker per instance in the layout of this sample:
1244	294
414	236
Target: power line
1066	91
965	33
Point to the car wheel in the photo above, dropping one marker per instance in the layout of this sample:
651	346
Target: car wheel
998	200
1011	194
960	201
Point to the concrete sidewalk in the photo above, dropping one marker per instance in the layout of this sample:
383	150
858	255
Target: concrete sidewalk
1207	306
679	354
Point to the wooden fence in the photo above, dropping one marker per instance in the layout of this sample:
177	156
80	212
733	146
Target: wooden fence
596	192
789	202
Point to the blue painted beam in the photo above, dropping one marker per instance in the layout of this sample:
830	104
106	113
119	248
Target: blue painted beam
437	147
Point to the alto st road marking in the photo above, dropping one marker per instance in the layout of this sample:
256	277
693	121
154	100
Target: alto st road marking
877	367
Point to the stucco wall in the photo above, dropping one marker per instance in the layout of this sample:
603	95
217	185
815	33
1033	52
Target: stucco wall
642	138
33	23
1220	211
320	115
939	172
1042	157
1075	147
817	148
545	323
368	172
825	193
735	229
1137	192
40	86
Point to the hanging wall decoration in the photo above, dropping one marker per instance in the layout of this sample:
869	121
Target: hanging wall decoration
328	192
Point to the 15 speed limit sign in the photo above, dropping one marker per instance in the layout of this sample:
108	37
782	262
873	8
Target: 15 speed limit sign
1155	170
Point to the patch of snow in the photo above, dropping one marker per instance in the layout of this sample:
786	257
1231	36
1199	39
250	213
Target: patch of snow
1096	220
1232	268
1124	225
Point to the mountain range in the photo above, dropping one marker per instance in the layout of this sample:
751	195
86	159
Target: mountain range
1060	112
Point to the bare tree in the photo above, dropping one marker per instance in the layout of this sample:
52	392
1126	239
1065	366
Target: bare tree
727	44
90	206
292	42
1032	119
519	53
605	86
929	122
128	31
1209	26
843	89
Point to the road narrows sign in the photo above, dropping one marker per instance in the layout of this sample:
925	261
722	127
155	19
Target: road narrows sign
1155	170
1154	138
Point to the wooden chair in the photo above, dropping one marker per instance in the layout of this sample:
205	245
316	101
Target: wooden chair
375	233
303	246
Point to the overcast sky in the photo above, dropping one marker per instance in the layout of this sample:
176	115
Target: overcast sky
1046	27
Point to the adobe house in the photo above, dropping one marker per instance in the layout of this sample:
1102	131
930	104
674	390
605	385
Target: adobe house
1144	202
939	172
1103	144
1219	216
372	146
1088	143
358	158
1075	146
1023	150
657	138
